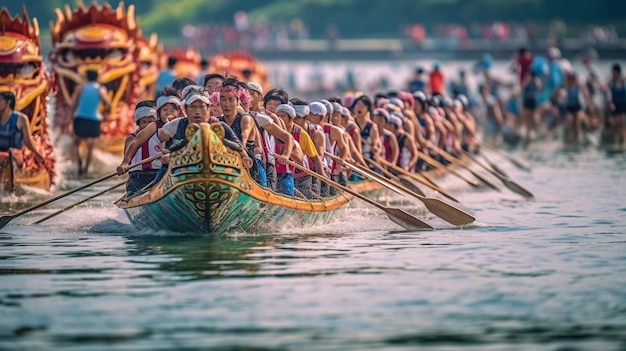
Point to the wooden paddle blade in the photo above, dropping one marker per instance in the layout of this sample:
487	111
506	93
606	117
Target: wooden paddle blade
410	185
516	188
4	220
405	219
448	212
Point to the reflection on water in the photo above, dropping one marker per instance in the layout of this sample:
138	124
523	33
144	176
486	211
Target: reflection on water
544	274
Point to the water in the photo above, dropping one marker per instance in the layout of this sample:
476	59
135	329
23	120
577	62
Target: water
544	274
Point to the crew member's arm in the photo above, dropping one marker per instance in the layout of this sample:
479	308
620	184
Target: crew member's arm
285	137
136	143
24	126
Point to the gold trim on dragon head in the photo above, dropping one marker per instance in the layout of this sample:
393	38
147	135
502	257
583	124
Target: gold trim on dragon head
150	54
22	70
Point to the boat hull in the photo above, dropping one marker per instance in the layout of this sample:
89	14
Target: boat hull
207	191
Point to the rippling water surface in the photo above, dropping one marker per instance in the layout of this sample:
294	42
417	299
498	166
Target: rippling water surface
544	274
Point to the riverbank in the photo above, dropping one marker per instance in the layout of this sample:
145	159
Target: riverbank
389	49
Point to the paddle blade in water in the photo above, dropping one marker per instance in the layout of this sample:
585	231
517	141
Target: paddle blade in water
516	188
409	185
406	220
448	212
4	220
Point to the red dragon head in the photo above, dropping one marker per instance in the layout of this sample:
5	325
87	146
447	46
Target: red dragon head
23	72
187	62
104	39
150	53
242	65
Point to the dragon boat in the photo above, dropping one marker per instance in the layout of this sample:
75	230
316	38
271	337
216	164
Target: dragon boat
187	62
150	57
105	39
240	64
23	72
207	191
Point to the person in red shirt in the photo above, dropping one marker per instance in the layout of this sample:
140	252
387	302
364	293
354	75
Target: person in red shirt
436	81
521	65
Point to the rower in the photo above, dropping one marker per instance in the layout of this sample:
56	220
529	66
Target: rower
142	175
335	144
15	130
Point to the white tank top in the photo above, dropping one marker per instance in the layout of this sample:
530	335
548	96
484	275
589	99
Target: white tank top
148	149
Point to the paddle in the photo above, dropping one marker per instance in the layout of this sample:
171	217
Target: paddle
415	177
494	166
519	164
456	161
407	183
398	216
4	220
511	185
437	207
431	161
80	202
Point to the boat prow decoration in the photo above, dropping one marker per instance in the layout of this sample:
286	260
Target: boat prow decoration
208	191
103	39
150	56
23	72
236	62
187	62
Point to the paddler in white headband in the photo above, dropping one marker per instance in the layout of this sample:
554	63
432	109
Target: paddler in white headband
196	104
140	176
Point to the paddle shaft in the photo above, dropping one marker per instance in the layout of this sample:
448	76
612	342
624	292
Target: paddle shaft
439	166
439	208
456	161
510	184
391	212
415	177
519	164
6	219
80	202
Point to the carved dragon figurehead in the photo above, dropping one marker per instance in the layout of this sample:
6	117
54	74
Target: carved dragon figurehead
187	62
242	65
22	71
150	53
103	39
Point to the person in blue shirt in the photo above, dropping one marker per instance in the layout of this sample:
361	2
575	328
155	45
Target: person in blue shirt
417	83
86	101
15	130
166	76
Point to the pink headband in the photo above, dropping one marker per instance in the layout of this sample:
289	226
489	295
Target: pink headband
214	98
244	96
229	90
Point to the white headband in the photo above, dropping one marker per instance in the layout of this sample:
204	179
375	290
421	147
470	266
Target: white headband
290	111
165	99
301	110
144	111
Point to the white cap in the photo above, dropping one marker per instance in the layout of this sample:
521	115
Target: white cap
254	86
317	108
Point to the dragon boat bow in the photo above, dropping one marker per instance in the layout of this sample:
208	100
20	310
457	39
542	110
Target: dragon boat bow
208	191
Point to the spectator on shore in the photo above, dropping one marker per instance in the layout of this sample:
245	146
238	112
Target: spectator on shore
521	65
437	81
417	83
